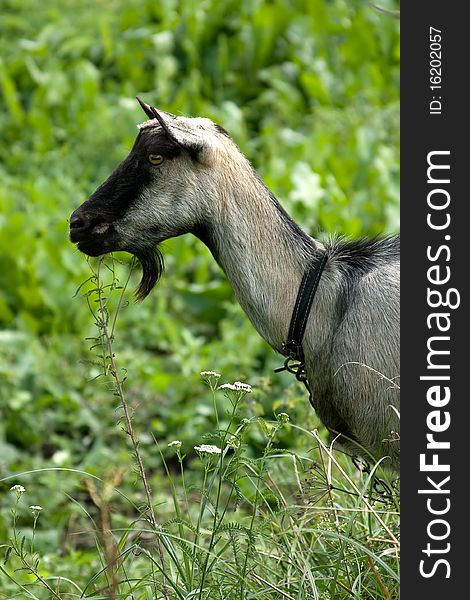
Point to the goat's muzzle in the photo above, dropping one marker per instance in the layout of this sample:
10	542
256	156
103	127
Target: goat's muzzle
96	234
91	232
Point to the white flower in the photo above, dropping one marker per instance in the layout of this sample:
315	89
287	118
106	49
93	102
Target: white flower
238	386
18	489
210	374
228	386
244	387
283	417
207	449
175	444
35	509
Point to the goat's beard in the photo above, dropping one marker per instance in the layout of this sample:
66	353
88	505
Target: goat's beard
152	263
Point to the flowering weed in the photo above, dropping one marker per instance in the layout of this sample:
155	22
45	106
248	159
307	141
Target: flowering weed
227	522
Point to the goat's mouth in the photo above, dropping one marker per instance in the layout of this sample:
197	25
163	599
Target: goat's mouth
94	246
94	240
102	238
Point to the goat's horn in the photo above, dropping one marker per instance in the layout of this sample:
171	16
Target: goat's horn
146	108
153	113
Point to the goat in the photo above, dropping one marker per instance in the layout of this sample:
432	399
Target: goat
186	175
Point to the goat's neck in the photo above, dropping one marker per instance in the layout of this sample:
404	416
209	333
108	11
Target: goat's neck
263	254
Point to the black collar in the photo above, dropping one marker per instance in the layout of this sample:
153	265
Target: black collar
308	287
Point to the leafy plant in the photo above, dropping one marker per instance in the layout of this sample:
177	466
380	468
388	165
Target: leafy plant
310	92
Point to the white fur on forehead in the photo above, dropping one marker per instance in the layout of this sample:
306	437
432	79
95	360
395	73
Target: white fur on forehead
191	132
193	125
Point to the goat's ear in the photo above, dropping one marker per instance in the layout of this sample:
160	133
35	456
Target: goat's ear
186	140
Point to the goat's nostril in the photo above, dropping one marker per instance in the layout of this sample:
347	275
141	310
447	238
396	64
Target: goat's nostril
77	222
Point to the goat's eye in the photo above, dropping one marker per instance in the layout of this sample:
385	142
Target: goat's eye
156	159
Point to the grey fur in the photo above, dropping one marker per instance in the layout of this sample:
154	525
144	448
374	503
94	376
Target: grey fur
207	187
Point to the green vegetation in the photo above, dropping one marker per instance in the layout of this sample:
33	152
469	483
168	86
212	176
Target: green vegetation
309	90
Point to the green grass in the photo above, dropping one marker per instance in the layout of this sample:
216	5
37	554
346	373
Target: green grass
310	92
223	522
